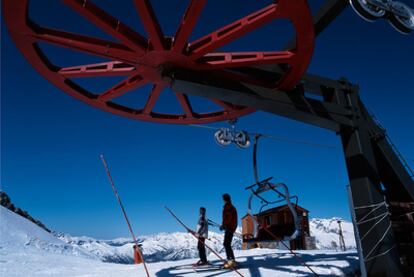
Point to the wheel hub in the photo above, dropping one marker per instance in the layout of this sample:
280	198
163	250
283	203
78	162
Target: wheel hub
151	64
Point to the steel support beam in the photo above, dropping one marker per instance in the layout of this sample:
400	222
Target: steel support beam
293	105
371	212
396	175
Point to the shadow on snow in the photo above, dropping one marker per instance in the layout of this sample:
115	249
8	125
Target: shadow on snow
280	263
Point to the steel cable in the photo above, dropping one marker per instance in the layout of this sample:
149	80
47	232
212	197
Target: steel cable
273	137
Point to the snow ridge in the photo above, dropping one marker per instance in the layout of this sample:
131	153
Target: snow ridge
6	202
16	231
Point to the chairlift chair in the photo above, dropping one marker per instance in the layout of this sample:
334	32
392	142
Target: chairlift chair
253	228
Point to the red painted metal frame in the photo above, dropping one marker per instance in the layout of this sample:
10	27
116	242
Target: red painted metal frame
140	59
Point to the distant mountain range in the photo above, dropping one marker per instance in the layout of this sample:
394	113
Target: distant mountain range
160	247
177	246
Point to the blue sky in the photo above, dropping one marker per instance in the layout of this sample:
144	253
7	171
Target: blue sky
50	142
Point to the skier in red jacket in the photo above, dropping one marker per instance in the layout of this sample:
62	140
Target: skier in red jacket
229	226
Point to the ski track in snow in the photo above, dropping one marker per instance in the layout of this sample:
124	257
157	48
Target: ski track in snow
27	250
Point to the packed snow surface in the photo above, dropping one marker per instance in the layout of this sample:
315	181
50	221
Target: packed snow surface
27	250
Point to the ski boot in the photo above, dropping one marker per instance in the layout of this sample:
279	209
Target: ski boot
230	264
201	263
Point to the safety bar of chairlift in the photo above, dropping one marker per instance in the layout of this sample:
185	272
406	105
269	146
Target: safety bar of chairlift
261	182
286	197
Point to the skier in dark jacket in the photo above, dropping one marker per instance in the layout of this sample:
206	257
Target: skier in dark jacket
229	226
202	234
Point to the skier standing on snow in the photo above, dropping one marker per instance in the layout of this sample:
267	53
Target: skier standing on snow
202	234
229	226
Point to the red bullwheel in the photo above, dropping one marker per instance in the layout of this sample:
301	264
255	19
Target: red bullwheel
140	59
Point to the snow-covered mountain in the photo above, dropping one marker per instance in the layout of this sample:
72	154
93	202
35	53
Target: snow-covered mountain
160	247
6	202
178	246
28	250
19	234
326	232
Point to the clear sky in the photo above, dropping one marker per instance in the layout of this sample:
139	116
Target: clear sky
50	142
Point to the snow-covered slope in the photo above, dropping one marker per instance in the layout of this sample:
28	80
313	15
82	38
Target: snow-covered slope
326	232
6	202
28	250
18	234
160	247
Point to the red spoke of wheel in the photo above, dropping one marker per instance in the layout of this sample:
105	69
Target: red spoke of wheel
185	104
224	105
151	24
90	45
109	24
228	60
97	70
187	24
122	88
232	31
152	99
122	59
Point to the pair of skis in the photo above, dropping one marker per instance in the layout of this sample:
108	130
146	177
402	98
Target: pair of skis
203	242
207	268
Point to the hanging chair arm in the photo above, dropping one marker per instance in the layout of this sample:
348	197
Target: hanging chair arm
260	183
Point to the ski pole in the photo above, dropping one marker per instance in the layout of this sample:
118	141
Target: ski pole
188	229
215	224
193	233
212	223
125	214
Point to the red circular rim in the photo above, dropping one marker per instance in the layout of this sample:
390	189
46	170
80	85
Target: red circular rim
139	59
